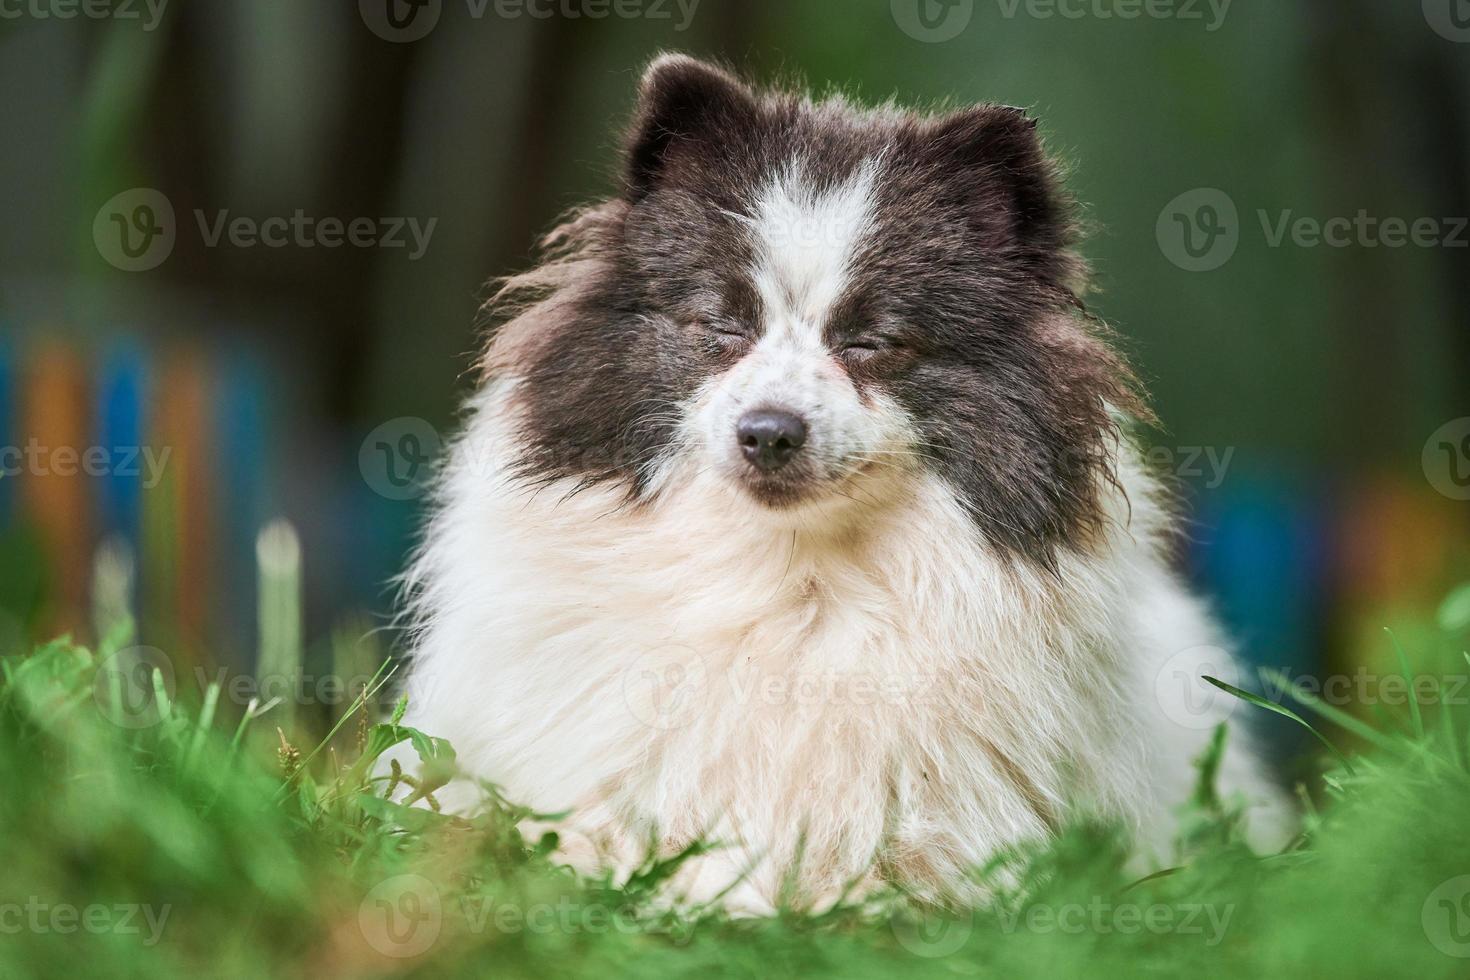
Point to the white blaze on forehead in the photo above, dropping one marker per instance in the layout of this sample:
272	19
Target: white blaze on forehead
805	238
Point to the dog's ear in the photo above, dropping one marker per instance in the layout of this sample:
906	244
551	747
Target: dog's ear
681	101
992	158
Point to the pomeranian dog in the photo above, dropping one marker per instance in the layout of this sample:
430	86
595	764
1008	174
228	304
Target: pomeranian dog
797	511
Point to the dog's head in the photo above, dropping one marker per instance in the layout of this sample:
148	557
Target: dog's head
814	302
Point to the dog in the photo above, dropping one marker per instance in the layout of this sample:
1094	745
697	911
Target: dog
798	510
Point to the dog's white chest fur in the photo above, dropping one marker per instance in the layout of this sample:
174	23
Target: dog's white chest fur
684	668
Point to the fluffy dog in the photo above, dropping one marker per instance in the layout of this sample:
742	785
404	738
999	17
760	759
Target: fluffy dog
797	510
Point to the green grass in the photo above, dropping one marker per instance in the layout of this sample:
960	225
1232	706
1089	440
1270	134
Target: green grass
203	844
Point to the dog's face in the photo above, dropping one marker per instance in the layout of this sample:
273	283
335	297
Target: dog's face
791	413
815	301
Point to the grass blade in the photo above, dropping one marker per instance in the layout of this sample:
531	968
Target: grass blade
1261	702
1414	713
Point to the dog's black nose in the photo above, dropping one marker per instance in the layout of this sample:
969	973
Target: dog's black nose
770	437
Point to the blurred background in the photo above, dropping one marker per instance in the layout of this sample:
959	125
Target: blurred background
244	245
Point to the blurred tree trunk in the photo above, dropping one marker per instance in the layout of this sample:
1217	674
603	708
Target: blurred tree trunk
324	288
1414	157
